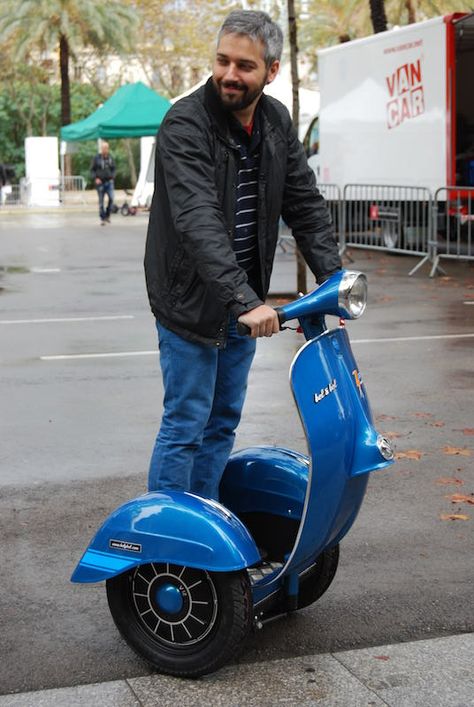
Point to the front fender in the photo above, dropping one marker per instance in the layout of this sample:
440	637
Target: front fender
171	526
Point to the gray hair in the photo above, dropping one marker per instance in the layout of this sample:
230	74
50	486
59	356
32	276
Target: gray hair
258	26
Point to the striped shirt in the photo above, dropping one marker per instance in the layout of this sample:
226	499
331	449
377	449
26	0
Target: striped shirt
245	241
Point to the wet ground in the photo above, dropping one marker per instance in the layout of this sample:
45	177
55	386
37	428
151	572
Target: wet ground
80	403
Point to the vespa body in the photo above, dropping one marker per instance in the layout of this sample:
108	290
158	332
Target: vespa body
188	577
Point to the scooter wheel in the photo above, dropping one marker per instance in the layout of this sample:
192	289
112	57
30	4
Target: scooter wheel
317	578
183	621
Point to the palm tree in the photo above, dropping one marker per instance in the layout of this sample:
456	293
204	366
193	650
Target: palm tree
378	16
66	25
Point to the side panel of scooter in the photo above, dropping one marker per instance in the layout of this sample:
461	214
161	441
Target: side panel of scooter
171	526
334	410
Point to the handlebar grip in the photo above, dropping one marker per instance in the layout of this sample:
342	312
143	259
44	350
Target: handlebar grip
244	330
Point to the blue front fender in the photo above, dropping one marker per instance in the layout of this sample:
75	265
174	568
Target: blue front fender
170	526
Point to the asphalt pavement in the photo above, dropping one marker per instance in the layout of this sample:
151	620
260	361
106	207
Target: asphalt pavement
81	400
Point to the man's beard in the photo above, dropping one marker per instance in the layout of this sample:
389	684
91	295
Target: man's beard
238	101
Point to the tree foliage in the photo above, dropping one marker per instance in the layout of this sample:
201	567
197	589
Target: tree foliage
35	27
177	38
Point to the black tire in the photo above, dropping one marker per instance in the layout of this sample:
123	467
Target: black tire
125	209
317	579
183	621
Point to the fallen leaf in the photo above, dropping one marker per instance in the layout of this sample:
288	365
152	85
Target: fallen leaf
382	657
381	418
438	423
392	435
448	480
410	454
457	451
453	516
468	431
462	498
422	414
384	299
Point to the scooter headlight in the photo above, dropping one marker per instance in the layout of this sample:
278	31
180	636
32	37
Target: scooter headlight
385	448
352	297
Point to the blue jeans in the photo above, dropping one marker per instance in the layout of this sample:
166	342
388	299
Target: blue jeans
204	392
102	190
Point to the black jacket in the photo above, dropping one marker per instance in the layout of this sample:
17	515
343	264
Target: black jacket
103	168
192	276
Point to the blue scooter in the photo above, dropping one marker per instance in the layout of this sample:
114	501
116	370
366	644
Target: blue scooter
187	577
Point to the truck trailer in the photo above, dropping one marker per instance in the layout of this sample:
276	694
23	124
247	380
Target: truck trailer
398	107
395	133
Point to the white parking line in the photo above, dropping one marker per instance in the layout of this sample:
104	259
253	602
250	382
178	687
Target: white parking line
116	354
412	338
113	354
67	319
45	270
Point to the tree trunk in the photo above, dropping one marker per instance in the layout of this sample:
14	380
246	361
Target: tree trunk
301	284
378	16
65	93
64	70
131	162
410	6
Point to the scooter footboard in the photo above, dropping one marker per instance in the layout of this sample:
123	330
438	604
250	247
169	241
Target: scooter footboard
173	526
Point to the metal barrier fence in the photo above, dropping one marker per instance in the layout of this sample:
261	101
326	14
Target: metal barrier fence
11	195
394	218
71	189
453	225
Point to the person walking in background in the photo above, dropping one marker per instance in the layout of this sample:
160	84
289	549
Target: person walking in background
3	181
228	165
103	174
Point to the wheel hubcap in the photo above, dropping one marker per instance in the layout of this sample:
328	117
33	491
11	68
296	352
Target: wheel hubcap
176	605
169	598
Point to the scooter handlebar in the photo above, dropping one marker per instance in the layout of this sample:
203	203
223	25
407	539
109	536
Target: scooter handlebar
244	330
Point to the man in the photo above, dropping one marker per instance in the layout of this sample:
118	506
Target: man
103	174
3	181
228	165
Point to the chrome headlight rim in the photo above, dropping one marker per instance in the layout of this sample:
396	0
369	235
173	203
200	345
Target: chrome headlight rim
385	448
352	302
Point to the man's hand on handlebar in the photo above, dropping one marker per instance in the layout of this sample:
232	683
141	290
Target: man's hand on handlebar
262	321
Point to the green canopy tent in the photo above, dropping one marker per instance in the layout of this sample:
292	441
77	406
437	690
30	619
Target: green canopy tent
133	111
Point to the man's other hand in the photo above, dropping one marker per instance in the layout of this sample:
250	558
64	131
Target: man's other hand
262	321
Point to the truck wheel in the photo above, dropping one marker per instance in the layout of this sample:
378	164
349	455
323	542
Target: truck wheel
317	578
183	621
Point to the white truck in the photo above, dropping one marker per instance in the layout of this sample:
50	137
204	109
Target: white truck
397	110
398	107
